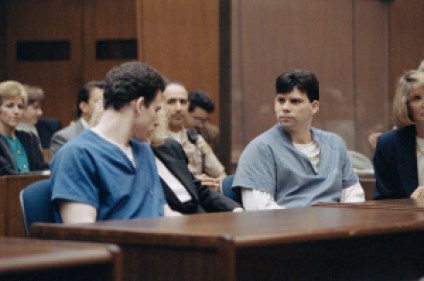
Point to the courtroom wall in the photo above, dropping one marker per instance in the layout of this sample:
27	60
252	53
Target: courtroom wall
355	47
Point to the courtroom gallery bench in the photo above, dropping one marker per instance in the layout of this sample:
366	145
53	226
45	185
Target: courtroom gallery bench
11	222
29	259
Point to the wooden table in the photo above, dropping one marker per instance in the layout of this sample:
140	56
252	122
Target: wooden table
28	259
390	204
11	223
295	244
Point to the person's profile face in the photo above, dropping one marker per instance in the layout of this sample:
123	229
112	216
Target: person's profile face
32	113
96	95
147	119
416	105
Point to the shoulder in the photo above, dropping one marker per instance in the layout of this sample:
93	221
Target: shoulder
170	147
329	138
397	134
25	136
272	136
70	131
52	123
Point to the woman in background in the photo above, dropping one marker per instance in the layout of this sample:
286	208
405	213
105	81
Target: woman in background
20	152
399	155
32	120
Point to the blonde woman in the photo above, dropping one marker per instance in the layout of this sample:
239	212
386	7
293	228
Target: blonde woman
20	152
399	156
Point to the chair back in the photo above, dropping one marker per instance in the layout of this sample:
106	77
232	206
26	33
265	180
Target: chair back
35	204
227	190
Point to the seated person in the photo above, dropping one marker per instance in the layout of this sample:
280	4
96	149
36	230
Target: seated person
31	121
200	106
184	193
399	155
203	163
20	151
108	172
88	96
293	164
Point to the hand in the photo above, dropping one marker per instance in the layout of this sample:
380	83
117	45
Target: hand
209	181
418	193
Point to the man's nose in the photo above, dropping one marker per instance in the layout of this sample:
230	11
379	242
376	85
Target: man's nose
286	105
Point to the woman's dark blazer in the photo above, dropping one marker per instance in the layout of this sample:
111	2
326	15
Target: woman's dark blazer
204	198
33	151
395	164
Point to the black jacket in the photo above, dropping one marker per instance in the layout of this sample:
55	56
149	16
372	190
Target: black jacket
46	127
204	199
33	151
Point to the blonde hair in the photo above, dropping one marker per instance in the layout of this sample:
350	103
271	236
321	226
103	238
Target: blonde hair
97	113
407	84
12	89
160	134
421	66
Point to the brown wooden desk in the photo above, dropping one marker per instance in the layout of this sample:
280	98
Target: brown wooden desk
392	204
295	244
27	259
11	223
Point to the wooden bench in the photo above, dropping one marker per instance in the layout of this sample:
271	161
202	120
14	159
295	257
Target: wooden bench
11	222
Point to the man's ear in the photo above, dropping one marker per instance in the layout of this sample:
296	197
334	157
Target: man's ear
83	106
315	106
139	104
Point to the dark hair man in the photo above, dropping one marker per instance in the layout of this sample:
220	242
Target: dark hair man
200	107
294	164
109	172
88	96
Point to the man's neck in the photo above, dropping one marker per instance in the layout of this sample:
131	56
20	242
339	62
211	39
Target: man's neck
175	129
116	126
301	137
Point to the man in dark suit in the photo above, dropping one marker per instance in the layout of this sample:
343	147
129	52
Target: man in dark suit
197	198
89	94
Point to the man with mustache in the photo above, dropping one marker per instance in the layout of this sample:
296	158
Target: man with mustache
203	163
294	164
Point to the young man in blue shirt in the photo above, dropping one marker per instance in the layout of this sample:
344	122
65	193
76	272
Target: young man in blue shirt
108	172
293	164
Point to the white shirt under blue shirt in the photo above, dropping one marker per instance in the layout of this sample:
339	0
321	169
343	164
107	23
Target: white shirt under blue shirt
275	173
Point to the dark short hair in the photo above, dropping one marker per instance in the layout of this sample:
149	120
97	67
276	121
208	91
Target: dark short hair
130	81
199	98
303	80
84	93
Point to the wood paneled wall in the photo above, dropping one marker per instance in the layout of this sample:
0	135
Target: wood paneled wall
105	20
406	29
181	39
355	47
82	23
47	20
3	74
